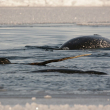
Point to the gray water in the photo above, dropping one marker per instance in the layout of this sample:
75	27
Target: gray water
34	43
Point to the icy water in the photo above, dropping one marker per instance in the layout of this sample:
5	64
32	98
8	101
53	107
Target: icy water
35	43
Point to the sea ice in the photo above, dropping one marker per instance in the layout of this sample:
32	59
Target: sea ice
34	15
35	106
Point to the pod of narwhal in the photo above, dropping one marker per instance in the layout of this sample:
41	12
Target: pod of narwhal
80	43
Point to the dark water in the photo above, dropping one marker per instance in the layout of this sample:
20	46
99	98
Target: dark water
35	43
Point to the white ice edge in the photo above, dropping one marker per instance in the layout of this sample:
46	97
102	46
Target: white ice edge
83	102
34	106
54	2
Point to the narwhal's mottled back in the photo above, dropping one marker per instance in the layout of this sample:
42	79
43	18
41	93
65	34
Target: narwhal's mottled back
86	42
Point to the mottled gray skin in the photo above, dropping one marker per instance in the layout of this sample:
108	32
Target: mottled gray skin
4	61
86	42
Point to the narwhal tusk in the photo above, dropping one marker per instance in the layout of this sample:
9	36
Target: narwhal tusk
57	60
6	61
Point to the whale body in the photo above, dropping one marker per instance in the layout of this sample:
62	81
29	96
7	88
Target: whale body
86	42
71	71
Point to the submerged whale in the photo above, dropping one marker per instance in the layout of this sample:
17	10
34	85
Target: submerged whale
86	42
71	71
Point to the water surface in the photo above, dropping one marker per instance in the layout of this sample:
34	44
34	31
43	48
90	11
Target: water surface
35	43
